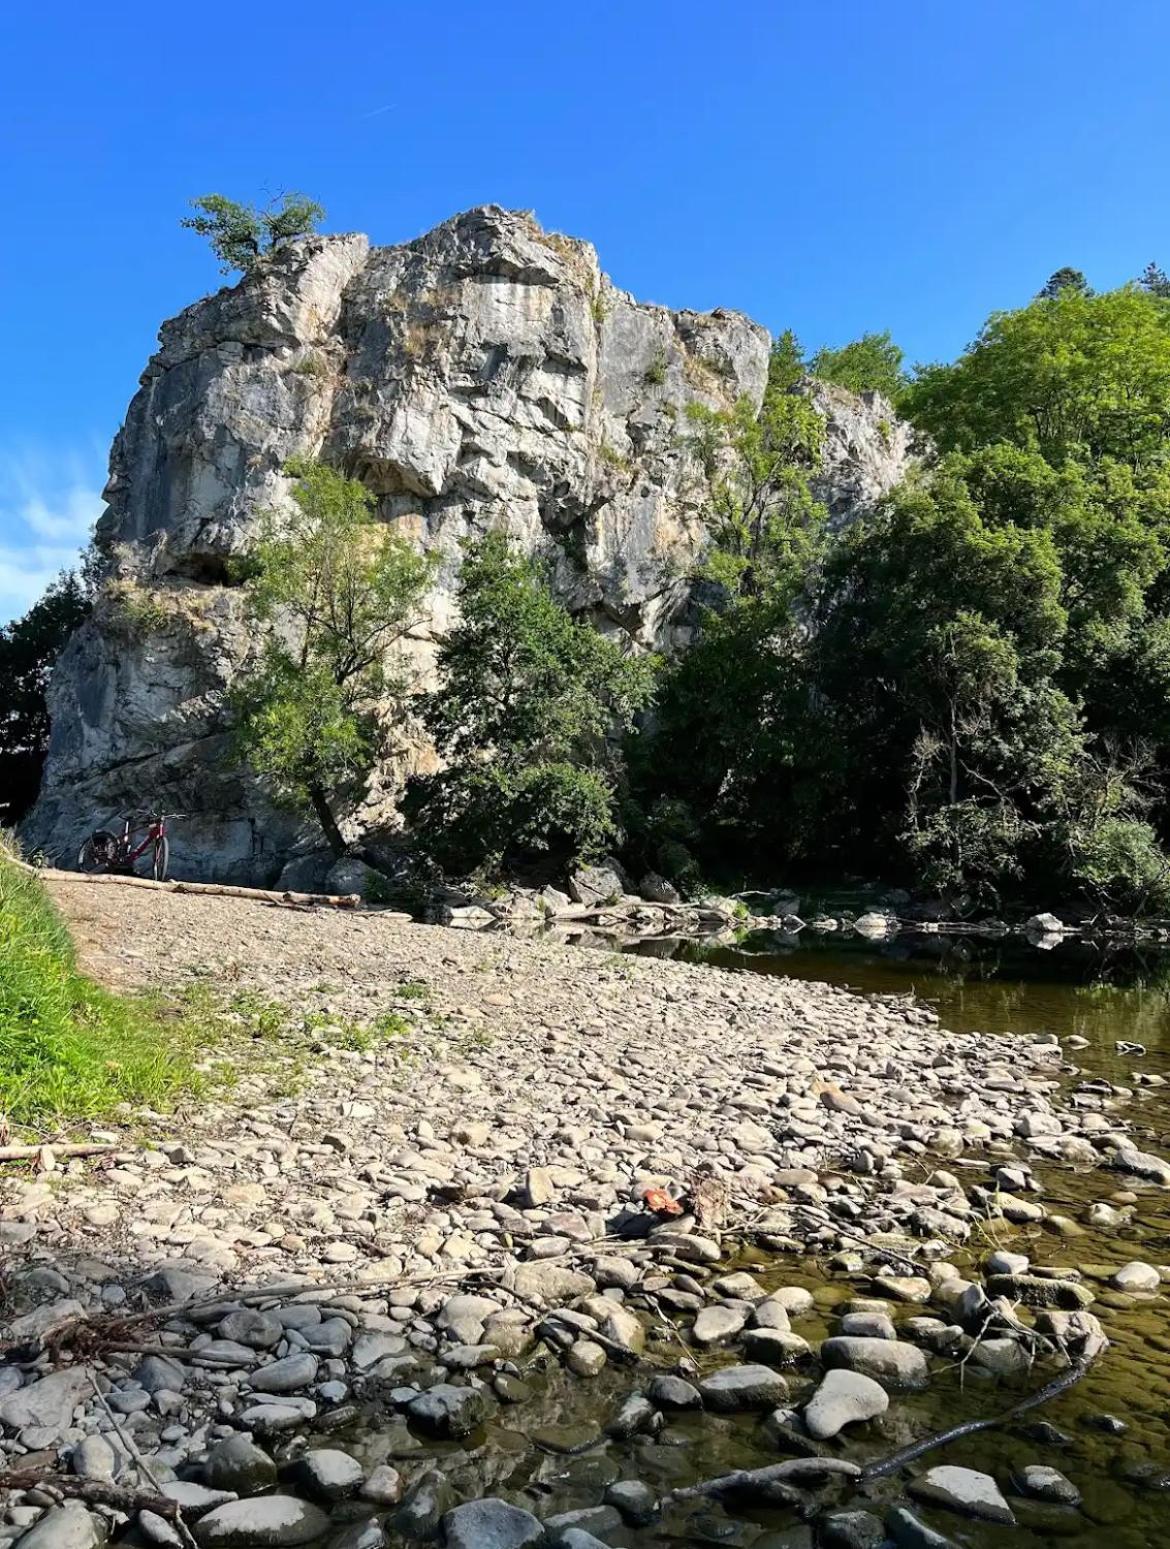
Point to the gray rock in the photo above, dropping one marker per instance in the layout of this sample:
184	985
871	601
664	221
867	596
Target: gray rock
285	1376
910	1532
490	1524
48	1402
423	1506
636	1501
1136	1276
64	1527
850	1530
963	1490
743	1387
590	885
1046	1484
158	1373
634	1417
843	1398
195	1499
366	1534
237	1464
673	1393
259	1330
526	417
774	1346
369	1349
328	1474
448	1411
159	1530
890	1361
383	1487
716	1325
94	1458
868	1325
548	1281
264	1522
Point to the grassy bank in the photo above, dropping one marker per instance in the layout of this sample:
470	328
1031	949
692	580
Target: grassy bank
68	1047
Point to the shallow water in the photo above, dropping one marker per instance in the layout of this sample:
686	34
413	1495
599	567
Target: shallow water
1124	1479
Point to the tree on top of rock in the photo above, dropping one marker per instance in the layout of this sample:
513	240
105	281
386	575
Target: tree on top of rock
871	364
241	234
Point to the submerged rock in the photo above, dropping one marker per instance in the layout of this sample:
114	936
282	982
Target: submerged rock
264	1522
744	1387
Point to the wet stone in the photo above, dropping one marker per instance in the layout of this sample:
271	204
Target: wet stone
963	1490
1041	1483
490	1524
743	1387
565	1439
328	1474
634	1500
285	1376
448	1411
669	1392
238	1465
264	1522
850	1530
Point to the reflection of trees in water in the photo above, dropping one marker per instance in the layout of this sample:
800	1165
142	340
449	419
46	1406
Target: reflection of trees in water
1100	993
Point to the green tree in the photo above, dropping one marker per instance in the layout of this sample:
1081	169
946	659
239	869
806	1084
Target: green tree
786	363
318	704
29	648
1062	280
1076	377
1155	280
731	714
525	715
241	234
872	363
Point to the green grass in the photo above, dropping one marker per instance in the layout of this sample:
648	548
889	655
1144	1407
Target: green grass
68	1048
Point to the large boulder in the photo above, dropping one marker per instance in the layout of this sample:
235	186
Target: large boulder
484	375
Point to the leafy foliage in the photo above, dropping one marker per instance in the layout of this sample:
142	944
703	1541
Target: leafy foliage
29	648
338	591
241	234
524	715
872	363
1062	280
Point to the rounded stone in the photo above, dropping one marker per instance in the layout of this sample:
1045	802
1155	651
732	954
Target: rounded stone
239	1465
265	1522
843	1398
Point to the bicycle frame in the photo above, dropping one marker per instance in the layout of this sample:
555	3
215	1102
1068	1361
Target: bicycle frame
156	830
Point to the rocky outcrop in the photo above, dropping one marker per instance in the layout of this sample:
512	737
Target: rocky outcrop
486	375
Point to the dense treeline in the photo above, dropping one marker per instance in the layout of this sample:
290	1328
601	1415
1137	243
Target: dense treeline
967	689
970	688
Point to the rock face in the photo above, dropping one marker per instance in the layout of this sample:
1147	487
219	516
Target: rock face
485	375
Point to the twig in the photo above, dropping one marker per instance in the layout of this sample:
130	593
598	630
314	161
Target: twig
1050	1391
102	1492
30	1153
131	1447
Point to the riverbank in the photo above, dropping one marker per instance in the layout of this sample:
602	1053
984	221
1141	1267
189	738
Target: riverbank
425	1114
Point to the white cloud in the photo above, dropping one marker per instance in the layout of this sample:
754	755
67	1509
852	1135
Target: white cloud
48	505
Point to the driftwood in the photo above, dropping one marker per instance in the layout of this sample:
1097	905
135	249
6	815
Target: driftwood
219	889
99	1492
781	1483
30	1153
1044	1395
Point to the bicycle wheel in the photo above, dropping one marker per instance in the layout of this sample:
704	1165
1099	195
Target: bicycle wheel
161	859
96	854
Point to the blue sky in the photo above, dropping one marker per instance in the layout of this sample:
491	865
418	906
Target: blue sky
833	167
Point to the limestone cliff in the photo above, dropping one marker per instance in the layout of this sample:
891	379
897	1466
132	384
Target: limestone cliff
487	374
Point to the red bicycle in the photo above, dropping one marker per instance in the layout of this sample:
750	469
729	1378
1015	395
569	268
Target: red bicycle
105	850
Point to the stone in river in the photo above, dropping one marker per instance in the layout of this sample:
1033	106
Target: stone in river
239	1465
843	1398
774	1347
260	1330
743	1387
544	1280
636	1501
428	1498
716	1325
490	1524
328	1473
850	1530
1046	1484
1136	1276
909	1532
448	1411
887	1360
264	1522
963	1490
673	1393
635	1415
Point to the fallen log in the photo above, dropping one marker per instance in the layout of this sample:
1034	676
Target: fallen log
99	1492
218	889
782	1484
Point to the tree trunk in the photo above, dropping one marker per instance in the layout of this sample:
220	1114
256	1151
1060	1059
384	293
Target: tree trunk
327	821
